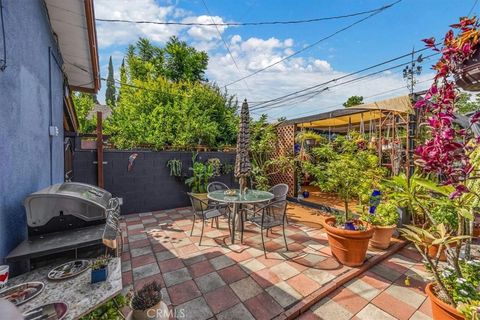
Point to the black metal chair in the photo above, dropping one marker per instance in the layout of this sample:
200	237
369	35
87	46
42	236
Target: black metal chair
280	192
272	215
204	211
216	186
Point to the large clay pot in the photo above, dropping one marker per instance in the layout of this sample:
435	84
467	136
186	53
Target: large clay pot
433	250
349	247
204	198
381	236
440	309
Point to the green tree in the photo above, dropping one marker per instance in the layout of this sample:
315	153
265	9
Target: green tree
110	92
353	101
84	103
465	104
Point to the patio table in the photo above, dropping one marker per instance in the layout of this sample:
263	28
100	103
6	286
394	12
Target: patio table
250	197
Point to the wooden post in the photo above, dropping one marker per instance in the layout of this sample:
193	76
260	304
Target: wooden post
100	180
380	139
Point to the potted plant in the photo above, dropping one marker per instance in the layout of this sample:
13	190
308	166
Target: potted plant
201	175
384	220
175	167
310	138
348	239
99	269
147	303
451	154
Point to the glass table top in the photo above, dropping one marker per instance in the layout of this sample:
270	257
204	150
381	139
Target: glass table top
251	196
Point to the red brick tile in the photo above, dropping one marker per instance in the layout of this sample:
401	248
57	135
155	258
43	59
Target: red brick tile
265	278
415	284
131	223
426	307
273	246
263	307
139	244
211	253
127	278
232	274
125	256
270	261
156	277
303	284
375	280
393	306
151	224
298	266
159	247
187	250
221	299
200	269
412	254
183	292
349	300
136	231
143	260
170	265
394	266
239	256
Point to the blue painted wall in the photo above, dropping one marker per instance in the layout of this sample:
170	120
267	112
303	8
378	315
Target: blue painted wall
31	99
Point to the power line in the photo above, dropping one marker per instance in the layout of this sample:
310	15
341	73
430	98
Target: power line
223	40
237	24
293	95
359	106
473	7
375	12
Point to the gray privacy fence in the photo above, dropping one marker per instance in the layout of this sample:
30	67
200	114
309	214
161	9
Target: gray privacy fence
148	186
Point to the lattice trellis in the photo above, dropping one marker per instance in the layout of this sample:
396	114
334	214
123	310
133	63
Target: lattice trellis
285	145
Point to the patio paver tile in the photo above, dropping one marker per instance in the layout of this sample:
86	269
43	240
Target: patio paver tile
238	312
284	294
170	265
328	309
145	271
263	306
137	237
194	258
232	274
221	262
406	295
126	266
196	309
284	271
320	276
143	260
393	306
200	268
141	251
165	255
371	312
246	288
139	244
265	277
221	299
176	277
183	292
209	282
127	278
303	284
349	300
418	315
251	265
363	289
386	272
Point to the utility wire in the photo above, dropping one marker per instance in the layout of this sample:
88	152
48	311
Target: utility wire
285	103
237	24
381	9
223	40
343	77
473	7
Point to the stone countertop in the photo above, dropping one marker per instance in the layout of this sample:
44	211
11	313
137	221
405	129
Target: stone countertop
80	295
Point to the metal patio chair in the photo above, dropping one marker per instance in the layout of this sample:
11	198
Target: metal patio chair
204	211
269	216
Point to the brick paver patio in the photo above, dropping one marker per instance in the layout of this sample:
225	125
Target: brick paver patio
224	281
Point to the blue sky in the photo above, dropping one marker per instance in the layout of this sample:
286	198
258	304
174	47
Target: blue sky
386	35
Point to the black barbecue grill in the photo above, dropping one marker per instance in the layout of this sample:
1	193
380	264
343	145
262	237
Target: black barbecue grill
68	218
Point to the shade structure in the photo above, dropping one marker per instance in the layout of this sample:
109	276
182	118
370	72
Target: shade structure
242	160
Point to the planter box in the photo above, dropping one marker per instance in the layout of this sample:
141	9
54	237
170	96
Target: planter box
99	275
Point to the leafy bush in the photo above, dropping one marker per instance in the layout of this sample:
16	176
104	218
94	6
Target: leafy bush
202	173
386	214
110	310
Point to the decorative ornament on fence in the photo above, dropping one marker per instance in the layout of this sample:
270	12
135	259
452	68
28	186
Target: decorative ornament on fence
242	160
131	160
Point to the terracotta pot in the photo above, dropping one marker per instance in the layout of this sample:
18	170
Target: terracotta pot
433	250
204	198
381	236
158	312
349	247
441	310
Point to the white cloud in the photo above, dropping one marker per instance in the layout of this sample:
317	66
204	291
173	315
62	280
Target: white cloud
110	33
205	33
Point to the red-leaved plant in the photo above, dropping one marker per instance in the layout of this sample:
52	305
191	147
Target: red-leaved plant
446	152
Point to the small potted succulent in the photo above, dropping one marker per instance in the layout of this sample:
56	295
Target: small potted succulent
384	221
146	302
99	268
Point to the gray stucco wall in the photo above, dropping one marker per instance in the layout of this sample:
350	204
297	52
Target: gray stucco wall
31	98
